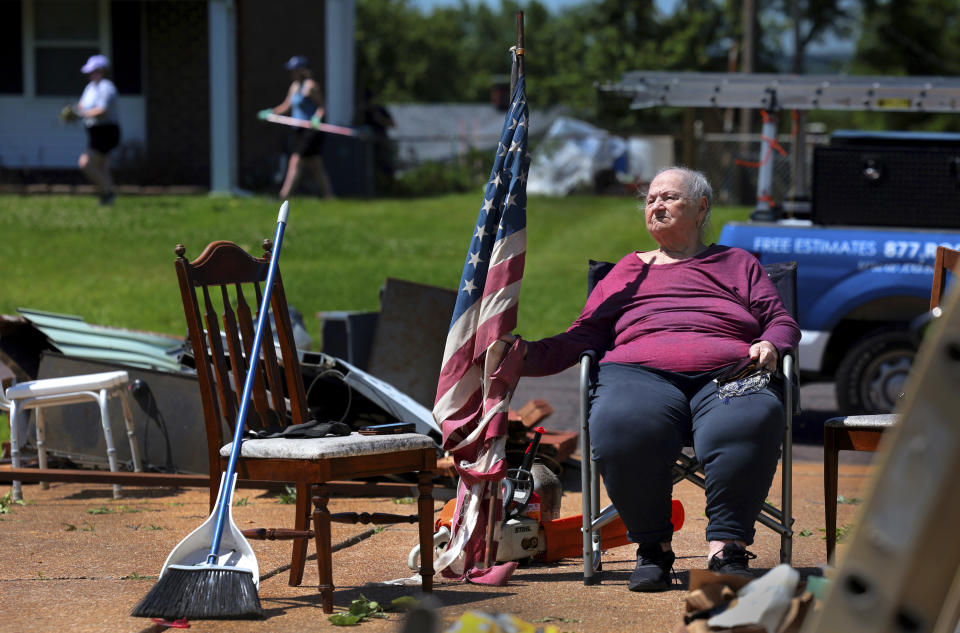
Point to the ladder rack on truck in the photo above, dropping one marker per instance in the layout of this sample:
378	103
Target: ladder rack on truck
774	92
650	89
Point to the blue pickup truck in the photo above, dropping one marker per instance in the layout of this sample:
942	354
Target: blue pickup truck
858	289
880	204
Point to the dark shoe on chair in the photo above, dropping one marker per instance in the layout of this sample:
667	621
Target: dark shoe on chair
734	561
653	568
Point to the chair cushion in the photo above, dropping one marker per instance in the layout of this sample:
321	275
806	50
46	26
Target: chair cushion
328	447
66	384
866	422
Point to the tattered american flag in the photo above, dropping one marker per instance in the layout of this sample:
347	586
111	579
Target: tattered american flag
473	393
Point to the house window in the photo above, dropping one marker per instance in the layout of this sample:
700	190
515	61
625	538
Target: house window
65	34
48	42
11	48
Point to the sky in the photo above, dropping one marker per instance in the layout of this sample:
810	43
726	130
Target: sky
665	5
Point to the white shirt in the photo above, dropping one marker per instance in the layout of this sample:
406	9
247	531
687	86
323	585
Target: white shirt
99	94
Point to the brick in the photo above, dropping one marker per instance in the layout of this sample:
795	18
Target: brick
534	412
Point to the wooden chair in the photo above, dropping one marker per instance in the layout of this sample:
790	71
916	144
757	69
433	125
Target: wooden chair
863	432
218	289
946	261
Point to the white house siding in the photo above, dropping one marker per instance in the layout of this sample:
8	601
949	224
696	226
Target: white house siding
32	136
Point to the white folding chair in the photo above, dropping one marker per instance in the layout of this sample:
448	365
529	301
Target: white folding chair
49	392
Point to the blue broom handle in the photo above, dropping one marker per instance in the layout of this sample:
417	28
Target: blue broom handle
227	489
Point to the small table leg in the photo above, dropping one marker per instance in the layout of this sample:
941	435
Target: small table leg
42	445
830	465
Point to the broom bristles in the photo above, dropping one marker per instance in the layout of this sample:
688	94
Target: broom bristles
202	592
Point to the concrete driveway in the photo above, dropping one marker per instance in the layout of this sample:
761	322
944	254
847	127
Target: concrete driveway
75	559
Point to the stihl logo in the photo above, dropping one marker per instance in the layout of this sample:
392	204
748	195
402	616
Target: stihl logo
521	528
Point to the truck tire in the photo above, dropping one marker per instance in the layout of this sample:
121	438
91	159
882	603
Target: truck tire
872	375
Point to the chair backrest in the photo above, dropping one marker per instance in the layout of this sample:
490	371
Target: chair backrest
595	272
947	259
784	277
782	274
218	289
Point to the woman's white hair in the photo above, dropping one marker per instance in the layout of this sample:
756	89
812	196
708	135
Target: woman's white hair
697	187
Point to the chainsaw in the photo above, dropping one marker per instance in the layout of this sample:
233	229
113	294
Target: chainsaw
522	535
525	537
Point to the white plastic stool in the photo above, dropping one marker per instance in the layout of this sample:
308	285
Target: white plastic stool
48	392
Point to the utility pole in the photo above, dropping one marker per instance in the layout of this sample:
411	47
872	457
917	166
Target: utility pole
747	54
732	56
797	66
798	189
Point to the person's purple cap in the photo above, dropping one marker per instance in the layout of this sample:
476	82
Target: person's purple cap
96	62
297	61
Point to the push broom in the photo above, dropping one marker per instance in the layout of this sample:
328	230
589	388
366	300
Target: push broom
213	573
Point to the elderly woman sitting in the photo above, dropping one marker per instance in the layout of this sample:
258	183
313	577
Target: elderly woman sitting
668	322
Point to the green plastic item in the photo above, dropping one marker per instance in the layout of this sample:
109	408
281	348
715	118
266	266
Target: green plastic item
817	585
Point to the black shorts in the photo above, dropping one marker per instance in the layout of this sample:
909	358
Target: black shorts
306	142
103	138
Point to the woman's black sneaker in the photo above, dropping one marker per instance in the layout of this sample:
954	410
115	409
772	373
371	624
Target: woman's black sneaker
734	561
652	572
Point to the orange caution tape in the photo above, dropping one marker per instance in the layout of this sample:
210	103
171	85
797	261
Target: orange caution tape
772	145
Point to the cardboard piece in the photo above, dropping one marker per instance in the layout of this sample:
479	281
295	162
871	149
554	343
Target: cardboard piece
763	601
712	595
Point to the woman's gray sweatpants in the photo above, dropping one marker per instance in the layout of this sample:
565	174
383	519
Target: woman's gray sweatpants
640	419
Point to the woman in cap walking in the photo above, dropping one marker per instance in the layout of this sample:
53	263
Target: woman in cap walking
98	108
304	101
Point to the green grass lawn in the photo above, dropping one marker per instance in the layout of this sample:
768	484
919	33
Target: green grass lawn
114	265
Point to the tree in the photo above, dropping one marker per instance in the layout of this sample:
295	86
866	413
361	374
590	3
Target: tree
811	21
456	53
909	37
403	55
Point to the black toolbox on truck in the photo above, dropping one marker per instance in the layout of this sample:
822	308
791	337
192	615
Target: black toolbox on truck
900	179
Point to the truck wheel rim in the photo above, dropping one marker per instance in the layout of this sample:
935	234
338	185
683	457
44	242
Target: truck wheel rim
884	380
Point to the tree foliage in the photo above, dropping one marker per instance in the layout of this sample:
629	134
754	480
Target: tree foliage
909	37
818	20
456	54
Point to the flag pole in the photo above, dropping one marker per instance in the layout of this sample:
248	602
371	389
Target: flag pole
516	70
519	43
